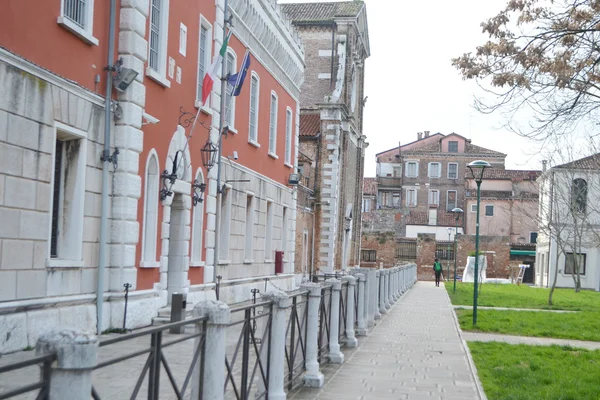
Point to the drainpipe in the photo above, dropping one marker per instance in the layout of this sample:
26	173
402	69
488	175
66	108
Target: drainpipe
105	166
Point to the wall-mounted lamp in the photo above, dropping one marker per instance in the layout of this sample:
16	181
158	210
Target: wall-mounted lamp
123	77
169	178
294	179
208	154
199	189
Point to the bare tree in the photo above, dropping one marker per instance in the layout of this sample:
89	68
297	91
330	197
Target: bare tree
542	58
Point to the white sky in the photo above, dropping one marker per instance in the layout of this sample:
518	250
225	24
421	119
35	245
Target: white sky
412	86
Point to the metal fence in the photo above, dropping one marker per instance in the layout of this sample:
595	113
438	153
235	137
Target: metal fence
444	250
406	250
324	323
295	334
156	360
42	385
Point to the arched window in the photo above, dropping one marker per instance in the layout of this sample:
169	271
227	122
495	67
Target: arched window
231	60
197	228
579	191
150	211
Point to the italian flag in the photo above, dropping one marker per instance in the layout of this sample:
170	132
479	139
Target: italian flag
211	74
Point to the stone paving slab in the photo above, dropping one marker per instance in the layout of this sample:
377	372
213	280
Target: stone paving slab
515	309
534	341
414	352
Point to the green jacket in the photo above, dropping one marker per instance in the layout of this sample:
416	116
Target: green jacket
437	266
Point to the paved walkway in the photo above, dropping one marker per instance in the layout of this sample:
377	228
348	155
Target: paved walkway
534	341
414	352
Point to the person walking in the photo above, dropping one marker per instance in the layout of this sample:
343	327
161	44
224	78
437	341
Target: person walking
437	268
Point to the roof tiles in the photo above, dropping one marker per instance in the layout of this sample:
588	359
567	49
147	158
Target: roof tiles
307	12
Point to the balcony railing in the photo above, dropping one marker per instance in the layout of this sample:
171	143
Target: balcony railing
389	181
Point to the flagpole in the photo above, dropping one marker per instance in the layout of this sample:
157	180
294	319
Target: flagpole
221	125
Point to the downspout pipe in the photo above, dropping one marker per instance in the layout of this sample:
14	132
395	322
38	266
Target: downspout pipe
105	166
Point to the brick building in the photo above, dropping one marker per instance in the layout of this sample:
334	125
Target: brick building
336	42
154	230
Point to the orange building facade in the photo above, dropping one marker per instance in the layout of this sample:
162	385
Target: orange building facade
161	222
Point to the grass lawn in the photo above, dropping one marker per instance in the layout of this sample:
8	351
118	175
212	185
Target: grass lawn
536	372
523	296
579	326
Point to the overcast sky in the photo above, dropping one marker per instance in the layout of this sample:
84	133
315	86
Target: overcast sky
412	86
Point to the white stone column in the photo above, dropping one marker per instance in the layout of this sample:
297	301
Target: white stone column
335	355
313	376
213	380
371	303
391	297
378	288
361	328
386	297
396	286
71	374
382	309
281	302
350	337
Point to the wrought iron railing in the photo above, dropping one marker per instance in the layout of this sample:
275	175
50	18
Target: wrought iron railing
42	385
253	347
343	317
324	323
156	361
295	340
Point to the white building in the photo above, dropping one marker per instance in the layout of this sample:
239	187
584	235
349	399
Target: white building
569	225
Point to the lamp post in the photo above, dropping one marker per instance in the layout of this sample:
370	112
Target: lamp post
477	167
448	256
457	211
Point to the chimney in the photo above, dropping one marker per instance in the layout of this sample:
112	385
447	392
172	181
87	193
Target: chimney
419	135
544	164
426	133
432	216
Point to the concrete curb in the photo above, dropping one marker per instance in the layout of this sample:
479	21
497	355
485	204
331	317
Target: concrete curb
472	366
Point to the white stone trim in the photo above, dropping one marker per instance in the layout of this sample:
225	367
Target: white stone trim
289	132
182	39
273	123
28	67
147	223
324	75
231	122
159	74
198	228
87	32
203	22
253	136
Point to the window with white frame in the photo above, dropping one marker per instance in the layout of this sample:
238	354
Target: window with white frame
284	230
489	210
473	208
197	227
231	60
157	41
149	234
452	171
396	199
411	197
182	39
397	171
273	125
254	92
204	49
68	194
225	228
575	262
412	169
435	170
269	232
77	16
533	237
450	200
434	197
249	237
366	206
288	136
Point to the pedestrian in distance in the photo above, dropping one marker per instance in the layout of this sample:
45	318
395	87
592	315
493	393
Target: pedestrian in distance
437	268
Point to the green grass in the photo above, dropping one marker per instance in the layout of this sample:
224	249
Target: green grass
513	296
578	326
519	372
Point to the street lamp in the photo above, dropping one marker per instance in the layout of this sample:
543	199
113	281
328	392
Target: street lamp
477	167
457	211
448	256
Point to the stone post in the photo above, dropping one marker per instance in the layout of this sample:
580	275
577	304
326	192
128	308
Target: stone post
281	302
335	355
382	309
378	289
213	380
361	328
396	285
71	374
391	298
386	296
313	376
371	303
350	337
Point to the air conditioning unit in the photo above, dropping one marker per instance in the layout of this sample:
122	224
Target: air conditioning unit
417	184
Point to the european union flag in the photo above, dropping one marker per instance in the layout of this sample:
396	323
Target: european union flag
237	80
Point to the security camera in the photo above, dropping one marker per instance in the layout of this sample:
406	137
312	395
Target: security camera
235	155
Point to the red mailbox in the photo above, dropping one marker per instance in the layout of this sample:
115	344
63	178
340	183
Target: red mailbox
279	262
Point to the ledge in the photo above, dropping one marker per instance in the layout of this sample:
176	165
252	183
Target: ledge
273	155
232	130
288	165
248	261
198	264
203	108
60	263
224	262
149	264
253	143
157	77
75	29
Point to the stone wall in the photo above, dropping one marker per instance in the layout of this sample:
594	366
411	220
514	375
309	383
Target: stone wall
385	246
426	245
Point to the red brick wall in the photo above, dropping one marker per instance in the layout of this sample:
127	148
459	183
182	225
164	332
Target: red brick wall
426	245
384	244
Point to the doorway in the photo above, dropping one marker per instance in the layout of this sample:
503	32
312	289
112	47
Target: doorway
178	249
